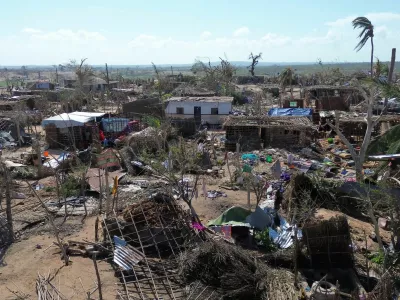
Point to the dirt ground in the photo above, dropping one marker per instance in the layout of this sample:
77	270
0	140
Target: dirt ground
208	209
34	252
26	258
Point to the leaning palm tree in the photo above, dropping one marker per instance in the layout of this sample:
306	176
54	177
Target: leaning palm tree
366	33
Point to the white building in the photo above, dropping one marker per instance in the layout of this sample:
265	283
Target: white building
207	109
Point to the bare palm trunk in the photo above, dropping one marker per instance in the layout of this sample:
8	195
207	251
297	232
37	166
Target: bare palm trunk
372	56
392	63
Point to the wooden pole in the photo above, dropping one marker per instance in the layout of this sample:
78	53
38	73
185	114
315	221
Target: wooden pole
18	133
248	195
296	249
229	169
392	63
50	217
98	276
107	188
366	259
101	193
96	230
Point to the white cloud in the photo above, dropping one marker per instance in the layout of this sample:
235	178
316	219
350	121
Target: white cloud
373	17
242	31
341	22
382	17
205	34
67	35
381	31
335	39
275	39
149	41
31	30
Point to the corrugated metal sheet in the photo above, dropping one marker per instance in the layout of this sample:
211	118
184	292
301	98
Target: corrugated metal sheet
125	255
284	239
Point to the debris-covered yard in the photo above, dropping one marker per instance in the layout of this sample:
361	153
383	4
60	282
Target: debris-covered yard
201	186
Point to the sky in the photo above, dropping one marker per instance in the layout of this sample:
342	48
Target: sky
131	32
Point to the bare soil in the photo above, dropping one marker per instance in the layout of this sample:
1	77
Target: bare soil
208	209
26	258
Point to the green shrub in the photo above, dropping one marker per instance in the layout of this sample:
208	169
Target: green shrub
262	238
71	187
220	162
378	257
49	189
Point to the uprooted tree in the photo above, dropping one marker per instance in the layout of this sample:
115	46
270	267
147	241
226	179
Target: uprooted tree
254	61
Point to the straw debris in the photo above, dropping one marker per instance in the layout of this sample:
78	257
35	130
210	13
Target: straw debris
235	274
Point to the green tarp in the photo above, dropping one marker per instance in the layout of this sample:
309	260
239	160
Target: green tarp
232	216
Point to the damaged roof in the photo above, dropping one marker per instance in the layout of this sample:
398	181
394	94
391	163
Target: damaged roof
268	121
201	99
329	87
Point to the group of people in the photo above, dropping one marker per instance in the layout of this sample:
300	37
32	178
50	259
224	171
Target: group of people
107	141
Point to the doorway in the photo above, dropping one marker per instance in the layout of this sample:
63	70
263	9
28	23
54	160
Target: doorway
197	115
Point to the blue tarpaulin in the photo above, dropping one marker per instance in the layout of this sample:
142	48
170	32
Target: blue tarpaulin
250	156
306	112
114	124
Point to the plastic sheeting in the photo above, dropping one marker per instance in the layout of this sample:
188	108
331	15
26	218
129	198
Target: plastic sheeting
301	112
259	219
232	216
250	156
384	157
284	238
114	124
72	119
55	162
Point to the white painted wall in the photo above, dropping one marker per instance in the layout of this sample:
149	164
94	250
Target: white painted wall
188	106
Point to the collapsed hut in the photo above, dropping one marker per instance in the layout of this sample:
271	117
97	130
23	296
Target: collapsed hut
253	133
329	97
329	243
218	270
354	126
146	240
158	252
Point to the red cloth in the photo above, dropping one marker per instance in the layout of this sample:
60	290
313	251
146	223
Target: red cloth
101	135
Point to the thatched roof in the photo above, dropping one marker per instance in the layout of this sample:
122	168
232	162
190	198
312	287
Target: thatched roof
267	121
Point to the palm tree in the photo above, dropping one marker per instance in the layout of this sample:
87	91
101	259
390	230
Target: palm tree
366	33
381	69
